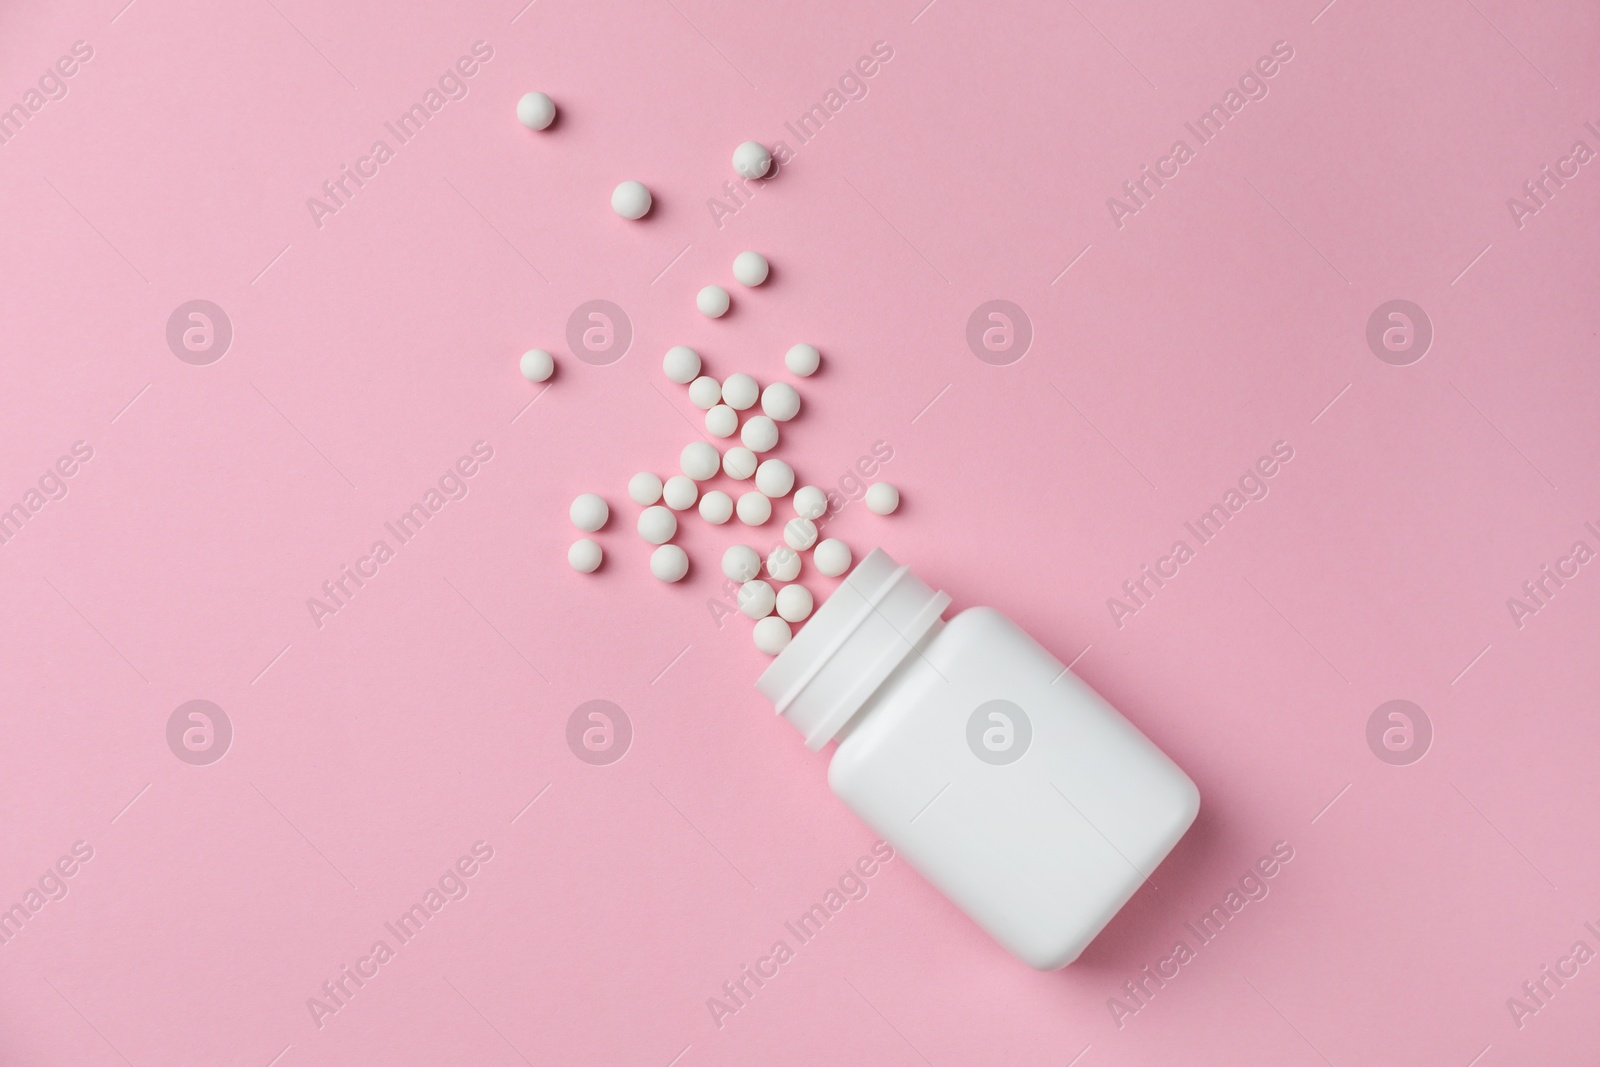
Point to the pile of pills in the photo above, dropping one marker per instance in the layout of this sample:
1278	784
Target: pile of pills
736	407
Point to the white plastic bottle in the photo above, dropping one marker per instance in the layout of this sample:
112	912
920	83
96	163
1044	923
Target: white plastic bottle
998	774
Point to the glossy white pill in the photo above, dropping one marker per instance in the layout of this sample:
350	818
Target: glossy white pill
752	160
722	421
537	365
739	462
756	599
750	268
783	563
759	434
536	111
680	493
657	524
832	557
794	602
588	512
754	509
669	563
705	392
631	200
781	401
741	563
772	635
810	502
774	477
799	534
802	360
716	507
700	460
740	391
882	498
712	301
585	555
644	488
681	364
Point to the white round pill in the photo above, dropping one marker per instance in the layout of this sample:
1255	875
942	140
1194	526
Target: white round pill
810	502
588	512
740	391
585	555
739	462
772	635
781	401
802	360
644	488
700	460
783	563
882	498
537	365
669	563
754	509
705	392
750	268
759	434
536	111
752	160
631	200
741	563
799	534
657	524
756	599
832	557
712	301
774	477
722	421
680	493
681	364
794	603
716	507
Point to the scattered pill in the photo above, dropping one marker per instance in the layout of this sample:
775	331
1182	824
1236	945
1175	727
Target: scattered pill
772	635
882	498
700	460
537	365
536	111
774	477
739	462
802	360
705	392
712	301
585	555
759	434
810	502
752	160
644	488
754	509
716	507
781	401
831	557
722	421
741	563
657	524
631	200
783	563
750	268
589	512
756	599
740	391
799	534
794	603
669	563
681	364
680	492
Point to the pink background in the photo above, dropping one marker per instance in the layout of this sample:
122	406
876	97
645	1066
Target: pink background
368	354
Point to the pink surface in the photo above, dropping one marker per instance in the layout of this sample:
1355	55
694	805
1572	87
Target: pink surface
371	753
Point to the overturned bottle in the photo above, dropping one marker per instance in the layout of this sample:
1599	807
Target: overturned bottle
997	773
